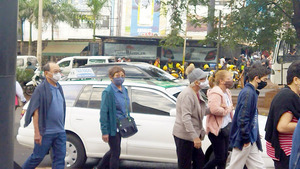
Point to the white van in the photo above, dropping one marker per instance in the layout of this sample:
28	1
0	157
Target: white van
22	61
68	63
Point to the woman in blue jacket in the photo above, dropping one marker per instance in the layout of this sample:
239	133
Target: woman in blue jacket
114	106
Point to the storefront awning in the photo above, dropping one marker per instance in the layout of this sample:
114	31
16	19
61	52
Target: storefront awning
64	48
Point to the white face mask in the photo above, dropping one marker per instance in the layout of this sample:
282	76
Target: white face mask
204	85
56	77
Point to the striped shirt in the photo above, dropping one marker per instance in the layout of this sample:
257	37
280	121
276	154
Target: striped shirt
285	141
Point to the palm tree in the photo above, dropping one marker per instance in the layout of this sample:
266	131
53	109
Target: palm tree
27	10
60	11
95	6
22	15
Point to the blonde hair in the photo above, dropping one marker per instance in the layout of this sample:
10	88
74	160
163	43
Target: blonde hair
189	69
215	79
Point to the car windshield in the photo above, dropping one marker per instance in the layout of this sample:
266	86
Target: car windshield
156	72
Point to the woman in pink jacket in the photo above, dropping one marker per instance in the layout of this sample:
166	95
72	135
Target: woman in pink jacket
218	122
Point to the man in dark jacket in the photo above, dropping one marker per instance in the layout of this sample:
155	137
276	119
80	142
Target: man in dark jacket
47	109
244	137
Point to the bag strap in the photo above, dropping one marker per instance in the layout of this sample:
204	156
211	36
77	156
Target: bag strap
126	105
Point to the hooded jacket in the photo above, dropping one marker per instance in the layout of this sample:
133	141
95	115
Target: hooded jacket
214	120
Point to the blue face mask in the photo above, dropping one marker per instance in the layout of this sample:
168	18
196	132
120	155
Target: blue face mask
118	81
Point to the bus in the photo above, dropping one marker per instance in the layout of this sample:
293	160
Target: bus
284	54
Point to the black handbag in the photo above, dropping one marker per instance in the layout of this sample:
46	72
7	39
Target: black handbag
127	126
226	130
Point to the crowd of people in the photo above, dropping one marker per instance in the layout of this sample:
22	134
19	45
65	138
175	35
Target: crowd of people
238	130
226	125
238	66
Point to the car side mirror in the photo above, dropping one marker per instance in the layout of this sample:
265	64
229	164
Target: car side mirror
173	112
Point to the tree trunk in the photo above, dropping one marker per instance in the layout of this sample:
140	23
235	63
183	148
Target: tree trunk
296	17
52	31
30	39
210	16
22	37
94	28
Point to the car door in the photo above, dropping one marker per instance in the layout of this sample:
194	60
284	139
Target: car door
85	121
154	140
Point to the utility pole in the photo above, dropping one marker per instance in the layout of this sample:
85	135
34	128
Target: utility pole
39	40
219	41
184	43
8	54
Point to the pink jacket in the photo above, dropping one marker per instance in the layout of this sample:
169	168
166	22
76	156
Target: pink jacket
216	98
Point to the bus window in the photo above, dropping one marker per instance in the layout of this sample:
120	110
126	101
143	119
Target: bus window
288	52
283	56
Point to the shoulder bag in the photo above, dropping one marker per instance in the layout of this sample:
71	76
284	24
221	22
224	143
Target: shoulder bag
127	126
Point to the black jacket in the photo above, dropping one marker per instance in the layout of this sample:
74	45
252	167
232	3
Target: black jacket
285	100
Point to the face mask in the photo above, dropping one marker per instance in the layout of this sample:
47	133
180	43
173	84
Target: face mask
261	85
203	85
56	77
229	84
118	81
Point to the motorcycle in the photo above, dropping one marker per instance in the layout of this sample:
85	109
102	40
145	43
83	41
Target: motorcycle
35	81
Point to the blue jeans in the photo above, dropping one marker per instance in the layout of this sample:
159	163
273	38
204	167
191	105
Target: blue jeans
58	143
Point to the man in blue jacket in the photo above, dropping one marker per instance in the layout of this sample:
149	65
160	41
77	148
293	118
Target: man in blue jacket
244	137
47	109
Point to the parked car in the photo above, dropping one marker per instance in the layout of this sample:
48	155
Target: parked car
140	70
152	105
68	63
22	61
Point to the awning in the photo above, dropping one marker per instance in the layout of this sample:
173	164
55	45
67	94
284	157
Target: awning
64	48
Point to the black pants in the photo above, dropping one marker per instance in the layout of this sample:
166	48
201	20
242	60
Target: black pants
220	148
284	161
111	159
188	155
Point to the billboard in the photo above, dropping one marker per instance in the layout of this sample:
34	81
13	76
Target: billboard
192	54
145	16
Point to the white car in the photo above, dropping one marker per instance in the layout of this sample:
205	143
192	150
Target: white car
153	107
68	63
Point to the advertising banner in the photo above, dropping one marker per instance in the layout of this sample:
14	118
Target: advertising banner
192	54
133	51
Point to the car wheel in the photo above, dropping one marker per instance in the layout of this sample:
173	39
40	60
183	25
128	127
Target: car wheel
75	153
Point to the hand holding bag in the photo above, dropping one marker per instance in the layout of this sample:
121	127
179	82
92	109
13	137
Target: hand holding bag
127	126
